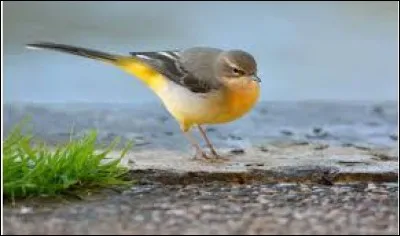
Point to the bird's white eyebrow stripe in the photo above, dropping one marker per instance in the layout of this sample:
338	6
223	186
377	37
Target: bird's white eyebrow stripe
230	63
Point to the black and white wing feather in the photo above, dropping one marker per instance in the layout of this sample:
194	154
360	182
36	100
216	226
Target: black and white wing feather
169	64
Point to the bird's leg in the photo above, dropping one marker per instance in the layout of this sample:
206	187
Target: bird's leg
199	153
209	144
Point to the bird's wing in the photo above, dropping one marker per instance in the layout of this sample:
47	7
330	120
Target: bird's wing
169	64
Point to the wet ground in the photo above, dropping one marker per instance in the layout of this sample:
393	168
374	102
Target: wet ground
150	126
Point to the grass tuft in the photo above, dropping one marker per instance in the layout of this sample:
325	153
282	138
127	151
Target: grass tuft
34	170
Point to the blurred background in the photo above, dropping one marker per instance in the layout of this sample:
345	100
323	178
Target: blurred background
305	50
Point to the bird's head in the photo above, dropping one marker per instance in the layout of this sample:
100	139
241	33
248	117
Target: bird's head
237	67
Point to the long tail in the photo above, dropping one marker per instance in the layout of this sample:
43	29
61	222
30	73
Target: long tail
129	64
83	52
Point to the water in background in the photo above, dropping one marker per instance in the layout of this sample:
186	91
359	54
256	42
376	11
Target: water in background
305	50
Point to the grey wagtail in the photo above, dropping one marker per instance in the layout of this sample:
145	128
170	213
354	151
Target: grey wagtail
198	86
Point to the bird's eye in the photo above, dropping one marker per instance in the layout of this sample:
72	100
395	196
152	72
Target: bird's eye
237	71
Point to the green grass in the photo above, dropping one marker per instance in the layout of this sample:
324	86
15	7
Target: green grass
33	169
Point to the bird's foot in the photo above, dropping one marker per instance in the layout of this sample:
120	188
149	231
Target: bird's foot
213	158
201	156
218	157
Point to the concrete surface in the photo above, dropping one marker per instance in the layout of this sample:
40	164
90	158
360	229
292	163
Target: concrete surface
272	157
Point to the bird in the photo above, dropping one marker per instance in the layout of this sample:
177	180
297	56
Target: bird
198	86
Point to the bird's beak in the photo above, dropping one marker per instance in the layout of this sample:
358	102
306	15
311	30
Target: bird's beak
256	78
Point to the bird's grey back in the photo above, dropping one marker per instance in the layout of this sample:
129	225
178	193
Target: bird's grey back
200	61
192	68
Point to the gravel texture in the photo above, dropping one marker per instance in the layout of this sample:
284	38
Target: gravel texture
215	208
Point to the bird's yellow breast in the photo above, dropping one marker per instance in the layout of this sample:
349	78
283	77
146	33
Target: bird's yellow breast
239	97
233	101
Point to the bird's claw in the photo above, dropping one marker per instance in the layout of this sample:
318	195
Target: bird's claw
201	156
214	157
218	157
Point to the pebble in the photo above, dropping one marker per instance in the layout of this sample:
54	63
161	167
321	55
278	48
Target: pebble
371	186
262	199
208	207
26	210
237	151
139	218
